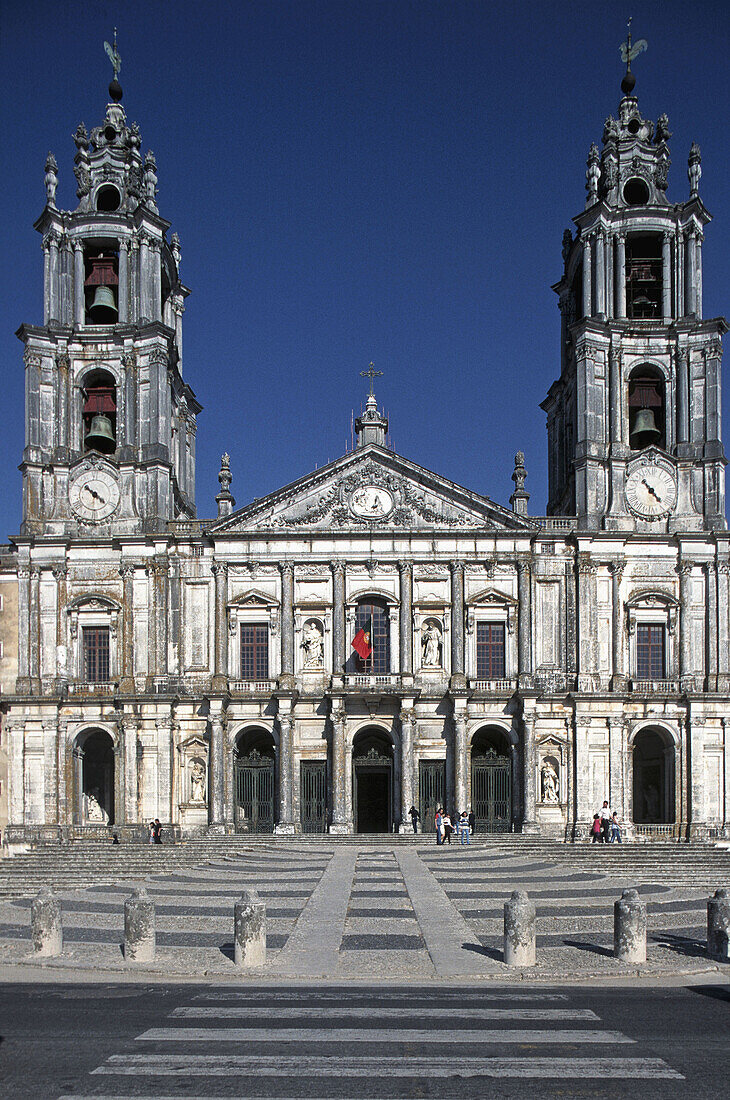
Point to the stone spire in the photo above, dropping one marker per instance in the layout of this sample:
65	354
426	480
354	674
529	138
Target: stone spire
225	501
372	426
520	497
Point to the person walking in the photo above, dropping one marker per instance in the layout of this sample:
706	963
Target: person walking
415	818
151	831
596	829
448	827
472	821
439	823
157	831
464	829
615	829
605	816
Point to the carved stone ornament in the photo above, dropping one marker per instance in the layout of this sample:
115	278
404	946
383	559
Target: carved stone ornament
370	502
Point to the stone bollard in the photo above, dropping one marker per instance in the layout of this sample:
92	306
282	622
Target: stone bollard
718	926
249	930
519	930
629	928
139	927
45	921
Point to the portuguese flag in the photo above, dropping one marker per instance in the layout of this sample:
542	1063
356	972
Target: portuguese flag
361	642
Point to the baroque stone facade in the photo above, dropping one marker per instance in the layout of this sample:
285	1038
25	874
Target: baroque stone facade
203	672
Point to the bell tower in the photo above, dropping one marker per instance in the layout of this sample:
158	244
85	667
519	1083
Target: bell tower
110	423
634	439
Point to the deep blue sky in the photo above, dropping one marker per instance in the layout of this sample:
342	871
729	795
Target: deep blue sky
356	180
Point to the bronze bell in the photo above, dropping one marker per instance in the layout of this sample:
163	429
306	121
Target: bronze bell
100	436
645	431
103	309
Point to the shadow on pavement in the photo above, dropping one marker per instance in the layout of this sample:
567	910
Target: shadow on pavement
481	949
594	948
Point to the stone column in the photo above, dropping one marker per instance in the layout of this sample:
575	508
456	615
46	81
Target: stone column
711	624
79	300
690	286
618	679
62	425
16	794
220	670
461	762
62	751
164	768
340	822
407	764
145	313
683	374
285	823
457	624
666	278
60	572
528	782
586	621
620	274
338	618
129	731
23	680
161	568
680	272
587	278
151	625
698	275
286	680
134	281
686	669
123	303
695	737
600	274
50	773
35	629
726	770
215	771
615	408
723	627
405	572
127	678
155	280
615	738
524	616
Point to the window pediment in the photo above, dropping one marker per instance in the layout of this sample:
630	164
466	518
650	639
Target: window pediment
93	602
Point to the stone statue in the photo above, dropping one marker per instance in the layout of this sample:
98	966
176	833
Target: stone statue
694	169
94	809
313	646
51	179
550	784
431	645
197	781
593	173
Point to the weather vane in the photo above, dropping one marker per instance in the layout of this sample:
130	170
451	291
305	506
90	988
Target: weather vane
628	53
114	55
371	373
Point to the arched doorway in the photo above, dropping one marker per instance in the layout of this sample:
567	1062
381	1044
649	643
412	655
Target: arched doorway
372	782
253	772
94	778
491	781
653	788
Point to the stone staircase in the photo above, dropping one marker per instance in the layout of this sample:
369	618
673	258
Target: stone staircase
85	863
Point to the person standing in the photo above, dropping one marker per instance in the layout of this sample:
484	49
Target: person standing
439	823
605	816
415	818
448	827
596	829
472	821
615	829
157	831
464	829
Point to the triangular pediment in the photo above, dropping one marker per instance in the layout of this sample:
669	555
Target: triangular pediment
372	489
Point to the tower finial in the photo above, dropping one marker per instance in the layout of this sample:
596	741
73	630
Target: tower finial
115	88
628	53
371	373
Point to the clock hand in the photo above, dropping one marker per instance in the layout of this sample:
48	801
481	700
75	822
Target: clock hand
651	489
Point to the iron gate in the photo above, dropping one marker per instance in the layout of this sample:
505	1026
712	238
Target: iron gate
255	792
313	796
491	792
431	791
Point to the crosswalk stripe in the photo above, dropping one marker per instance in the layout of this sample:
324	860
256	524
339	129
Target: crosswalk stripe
260	996
376	1035
327	1012
298	1066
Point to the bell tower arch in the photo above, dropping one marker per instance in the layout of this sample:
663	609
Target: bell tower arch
634	433
104	381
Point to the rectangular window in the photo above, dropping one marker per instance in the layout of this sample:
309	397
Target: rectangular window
490	651
96	654
254	651
650	657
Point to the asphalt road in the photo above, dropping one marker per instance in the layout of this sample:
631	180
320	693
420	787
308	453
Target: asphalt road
365	1042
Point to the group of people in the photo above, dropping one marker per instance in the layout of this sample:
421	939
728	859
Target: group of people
462	822
605	828
155	831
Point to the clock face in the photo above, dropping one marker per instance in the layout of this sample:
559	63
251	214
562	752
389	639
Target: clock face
94	495
651	491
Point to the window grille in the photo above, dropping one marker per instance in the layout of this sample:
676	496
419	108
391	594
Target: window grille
254	651
96	654
490	651
650	651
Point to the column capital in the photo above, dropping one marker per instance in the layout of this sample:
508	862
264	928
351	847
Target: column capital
338	568
219	568
286	568
456	568
126	569
60	572
407	716
405	567
338	714
684	568
616	569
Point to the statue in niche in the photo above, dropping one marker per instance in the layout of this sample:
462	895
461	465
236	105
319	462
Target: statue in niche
313	646
550	784
197	781
94	808
431	645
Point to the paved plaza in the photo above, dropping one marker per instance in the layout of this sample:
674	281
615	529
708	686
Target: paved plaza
392	913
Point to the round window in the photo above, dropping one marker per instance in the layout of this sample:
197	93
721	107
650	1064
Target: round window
636	192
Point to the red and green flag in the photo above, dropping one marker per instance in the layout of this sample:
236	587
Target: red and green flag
361	643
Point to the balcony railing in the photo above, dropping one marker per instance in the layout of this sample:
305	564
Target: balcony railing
666	832
363	680
103	687
654	687
251	687
493	686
